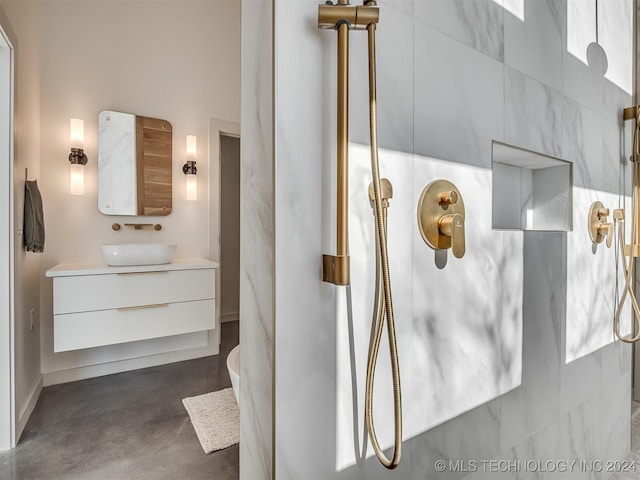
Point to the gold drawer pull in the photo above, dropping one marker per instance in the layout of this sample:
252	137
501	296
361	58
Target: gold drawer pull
142	273
142	307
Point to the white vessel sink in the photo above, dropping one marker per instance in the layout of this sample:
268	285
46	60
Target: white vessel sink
139	253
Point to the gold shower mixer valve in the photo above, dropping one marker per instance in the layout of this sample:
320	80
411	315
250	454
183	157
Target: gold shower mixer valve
599	227
441	217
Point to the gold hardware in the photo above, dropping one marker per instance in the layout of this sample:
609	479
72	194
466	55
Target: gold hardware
342	17
618	214
140	226
636	251
153	272
606	230
632	251
452	226
335	269
356	17
630	113
599	228
382	191
448	198
342	230
143	307
115	226
386	192
441	217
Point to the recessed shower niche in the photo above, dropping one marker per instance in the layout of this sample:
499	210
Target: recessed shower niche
531	191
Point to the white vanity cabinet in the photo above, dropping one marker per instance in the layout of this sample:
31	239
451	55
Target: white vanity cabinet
100	305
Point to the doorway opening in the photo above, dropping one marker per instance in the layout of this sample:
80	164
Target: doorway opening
224	228
229	227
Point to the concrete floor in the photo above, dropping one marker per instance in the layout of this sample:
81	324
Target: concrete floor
126	426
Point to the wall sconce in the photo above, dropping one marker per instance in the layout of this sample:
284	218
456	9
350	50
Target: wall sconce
190	170
77	158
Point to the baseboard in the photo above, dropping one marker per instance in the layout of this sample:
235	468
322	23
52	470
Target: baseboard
230	317
26	412
82	373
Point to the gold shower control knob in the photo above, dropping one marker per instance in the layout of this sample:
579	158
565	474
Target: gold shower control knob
448	198
599	228
441	217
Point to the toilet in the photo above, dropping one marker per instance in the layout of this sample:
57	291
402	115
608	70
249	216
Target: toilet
233	365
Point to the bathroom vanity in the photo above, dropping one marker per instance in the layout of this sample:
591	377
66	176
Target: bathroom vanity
96	305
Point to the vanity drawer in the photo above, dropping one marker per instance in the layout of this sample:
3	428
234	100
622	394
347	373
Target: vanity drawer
74	331
85	293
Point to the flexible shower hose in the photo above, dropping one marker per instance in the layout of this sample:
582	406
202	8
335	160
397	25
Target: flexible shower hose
384	305
627	270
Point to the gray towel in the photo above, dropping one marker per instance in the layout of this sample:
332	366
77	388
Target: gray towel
33	217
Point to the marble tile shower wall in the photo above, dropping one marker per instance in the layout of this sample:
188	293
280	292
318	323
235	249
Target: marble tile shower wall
453	77
256	247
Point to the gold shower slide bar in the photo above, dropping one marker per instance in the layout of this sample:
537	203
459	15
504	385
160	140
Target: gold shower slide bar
342	17
633	249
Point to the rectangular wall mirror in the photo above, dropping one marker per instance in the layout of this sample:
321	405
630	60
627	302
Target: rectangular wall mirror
134	164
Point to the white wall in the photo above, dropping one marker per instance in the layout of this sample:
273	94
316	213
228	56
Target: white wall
173	60
23	18
7	419
452	77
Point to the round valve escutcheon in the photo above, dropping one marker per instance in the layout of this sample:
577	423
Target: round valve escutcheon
599	228
441	217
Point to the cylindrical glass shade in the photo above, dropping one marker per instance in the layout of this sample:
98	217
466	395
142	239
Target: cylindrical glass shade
191	147
76	136
76	179
192	187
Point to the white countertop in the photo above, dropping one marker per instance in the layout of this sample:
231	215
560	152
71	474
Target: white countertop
76	269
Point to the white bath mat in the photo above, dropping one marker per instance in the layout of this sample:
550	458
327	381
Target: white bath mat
215	418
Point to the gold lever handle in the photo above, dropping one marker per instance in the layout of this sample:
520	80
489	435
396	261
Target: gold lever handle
606	230
453	226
